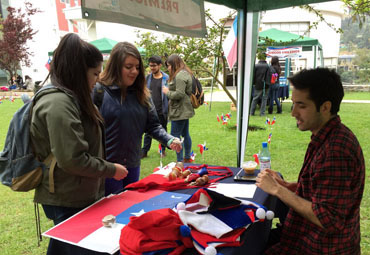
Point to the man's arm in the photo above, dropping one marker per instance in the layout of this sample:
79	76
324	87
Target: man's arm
268	183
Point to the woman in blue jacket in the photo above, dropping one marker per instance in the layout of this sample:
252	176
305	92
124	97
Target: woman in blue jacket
128	112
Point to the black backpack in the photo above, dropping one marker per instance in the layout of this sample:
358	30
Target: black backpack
197	95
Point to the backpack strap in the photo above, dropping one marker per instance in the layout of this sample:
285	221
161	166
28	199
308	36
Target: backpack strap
51	161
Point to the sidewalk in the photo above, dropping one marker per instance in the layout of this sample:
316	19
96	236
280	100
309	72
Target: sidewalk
221	96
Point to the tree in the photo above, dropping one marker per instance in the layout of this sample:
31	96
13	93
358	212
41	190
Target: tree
200	54
16	31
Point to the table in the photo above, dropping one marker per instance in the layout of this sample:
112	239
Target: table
256	236
85	228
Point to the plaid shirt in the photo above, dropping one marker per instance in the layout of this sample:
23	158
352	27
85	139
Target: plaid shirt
332	178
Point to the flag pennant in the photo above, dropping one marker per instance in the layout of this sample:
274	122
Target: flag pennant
269	138
202	148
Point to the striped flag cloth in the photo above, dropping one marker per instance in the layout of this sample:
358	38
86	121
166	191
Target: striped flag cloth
230	44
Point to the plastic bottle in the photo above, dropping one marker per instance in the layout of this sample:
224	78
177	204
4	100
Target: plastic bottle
265	157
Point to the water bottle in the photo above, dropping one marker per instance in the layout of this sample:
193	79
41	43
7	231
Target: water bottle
265	157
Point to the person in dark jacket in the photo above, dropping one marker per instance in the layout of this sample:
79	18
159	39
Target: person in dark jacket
274	89
180	107
66	125
128	112
155	81
261	84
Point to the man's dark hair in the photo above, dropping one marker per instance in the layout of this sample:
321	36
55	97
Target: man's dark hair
155	59
322	84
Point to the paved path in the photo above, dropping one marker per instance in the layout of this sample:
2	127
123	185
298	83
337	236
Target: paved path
221	96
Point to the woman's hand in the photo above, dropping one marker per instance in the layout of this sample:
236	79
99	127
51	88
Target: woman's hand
176	145
165	90
121	172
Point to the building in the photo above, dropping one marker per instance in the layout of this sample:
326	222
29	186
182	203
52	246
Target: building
297	20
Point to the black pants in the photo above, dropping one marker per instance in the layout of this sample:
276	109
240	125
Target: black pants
148	138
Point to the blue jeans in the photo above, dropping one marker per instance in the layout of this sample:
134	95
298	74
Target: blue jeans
56	247
273	95
260	95
112	186
181	128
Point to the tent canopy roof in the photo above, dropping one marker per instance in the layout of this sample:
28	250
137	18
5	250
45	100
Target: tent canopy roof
258	5
283	38
105	45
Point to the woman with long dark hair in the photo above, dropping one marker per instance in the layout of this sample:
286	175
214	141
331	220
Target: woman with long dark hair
67	126
274	88
180	107
128	113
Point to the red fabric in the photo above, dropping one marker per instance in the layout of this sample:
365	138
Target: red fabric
158	181
154	230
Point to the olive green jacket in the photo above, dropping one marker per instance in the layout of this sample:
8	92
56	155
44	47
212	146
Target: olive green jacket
180	107
58	126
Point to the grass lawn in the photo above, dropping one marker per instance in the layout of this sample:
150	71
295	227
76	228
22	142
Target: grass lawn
288	146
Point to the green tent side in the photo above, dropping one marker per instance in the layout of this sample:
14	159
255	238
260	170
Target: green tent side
283	38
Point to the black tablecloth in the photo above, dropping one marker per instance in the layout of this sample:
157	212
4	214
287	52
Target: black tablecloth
256	236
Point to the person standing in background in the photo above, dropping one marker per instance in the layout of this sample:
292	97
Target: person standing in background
128	113
261	84
180	107
155	81
274	89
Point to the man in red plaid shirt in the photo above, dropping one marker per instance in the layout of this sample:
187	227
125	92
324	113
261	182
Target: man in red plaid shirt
324	205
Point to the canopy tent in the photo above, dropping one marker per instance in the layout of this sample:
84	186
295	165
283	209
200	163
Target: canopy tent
283	38
105	45
248	24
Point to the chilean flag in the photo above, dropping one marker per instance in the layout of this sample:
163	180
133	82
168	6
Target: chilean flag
85	229
230	44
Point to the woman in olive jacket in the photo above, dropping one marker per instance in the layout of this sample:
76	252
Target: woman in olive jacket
66	124
180	107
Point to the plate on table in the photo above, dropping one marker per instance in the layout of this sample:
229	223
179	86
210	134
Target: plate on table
242	176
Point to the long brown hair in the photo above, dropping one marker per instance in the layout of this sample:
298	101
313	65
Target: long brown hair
177	64
112	73
68	70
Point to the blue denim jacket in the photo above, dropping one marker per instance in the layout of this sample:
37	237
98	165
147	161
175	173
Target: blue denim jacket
165	78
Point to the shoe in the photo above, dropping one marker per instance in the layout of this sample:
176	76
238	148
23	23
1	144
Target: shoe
279	110
187	160
144	154
270	111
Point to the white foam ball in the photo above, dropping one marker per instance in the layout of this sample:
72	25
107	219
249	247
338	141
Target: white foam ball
270	215
180	206
210	250
260	213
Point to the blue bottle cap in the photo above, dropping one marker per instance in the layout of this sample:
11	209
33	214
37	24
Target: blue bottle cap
264	145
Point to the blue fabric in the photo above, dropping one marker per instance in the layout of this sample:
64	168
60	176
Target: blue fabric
112	186
181	128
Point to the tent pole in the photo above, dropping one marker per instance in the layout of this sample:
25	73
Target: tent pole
248	25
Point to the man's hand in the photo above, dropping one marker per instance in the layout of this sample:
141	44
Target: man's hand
121	172
268	182
176	145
